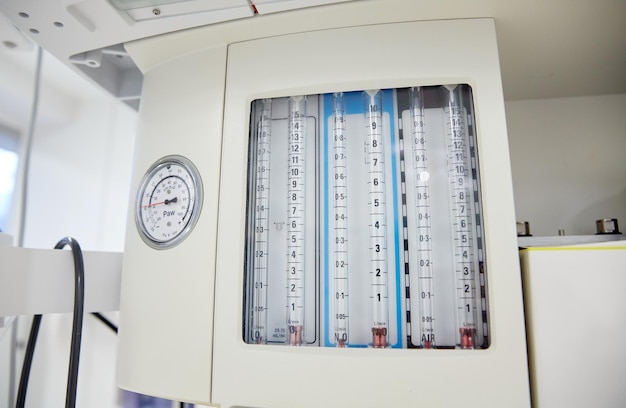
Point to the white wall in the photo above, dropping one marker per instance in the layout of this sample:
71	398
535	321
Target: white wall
80	178
79	185
568	159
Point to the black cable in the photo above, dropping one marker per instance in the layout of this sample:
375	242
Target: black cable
77	321
28	359
77	328
106	321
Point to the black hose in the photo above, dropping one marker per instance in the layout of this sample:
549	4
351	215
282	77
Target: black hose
77	328
106	321
77	321
28	360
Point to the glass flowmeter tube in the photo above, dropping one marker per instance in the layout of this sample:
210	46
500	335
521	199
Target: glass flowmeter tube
364	224
421	178
462	213
296	197
378	271
260	253
340	224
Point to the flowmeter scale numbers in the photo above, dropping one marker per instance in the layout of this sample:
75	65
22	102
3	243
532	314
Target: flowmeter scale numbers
364	221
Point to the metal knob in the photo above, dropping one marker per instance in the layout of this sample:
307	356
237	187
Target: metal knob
607	226
523	229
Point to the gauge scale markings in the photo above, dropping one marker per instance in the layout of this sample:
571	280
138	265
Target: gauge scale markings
169	202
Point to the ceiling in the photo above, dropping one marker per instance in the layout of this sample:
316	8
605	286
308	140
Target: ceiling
548	49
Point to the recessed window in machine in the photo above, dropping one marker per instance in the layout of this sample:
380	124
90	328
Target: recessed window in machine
364	221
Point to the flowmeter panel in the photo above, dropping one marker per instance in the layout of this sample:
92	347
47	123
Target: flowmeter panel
356	244
364	221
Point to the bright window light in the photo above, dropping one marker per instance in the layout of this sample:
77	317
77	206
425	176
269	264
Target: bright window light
8	175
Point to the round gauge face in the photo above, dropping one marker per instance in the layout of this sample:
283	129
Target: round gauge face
168	202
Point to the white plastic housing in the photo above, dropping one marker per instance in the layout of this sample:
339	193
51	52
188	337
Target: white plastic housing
575	297
393	55
166	301
181	309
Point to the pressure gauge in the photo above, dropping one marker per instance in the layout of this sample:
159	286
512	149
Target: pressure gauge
169	201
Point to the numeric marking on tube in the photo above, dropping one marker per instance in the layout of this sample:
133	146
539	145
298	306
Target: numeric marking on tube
261	234
422	216
296	219
340	222
461	188
375	160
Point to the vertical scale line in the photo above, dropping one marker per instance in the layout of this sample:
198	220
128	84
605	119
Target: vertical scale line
405	232
327	215
462	206
261	233
390	103
296	219
423	221
482	282
375	160
340	223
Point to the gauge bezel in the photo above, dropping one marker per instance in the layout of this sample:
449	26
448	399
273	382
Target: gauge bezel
195	209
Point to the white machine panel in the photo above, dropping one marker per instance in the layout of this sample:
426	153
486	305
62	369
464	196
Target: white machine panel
166	330
575	300
185	329
345	60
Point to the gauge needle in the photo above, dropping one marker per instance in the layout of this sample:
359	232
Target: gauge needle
166	202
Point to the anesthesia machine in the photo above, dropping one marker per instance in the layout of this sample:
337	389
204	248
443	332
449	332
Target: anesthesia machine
321	210
323	218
